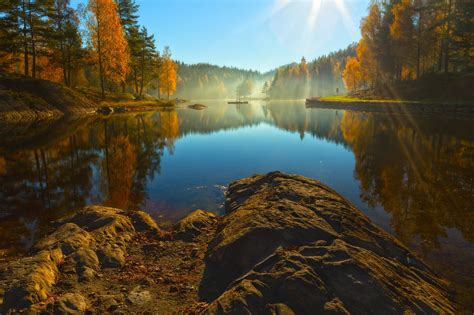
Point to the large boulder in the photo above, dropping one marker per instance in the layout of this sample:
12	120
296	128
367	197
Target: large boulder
289	244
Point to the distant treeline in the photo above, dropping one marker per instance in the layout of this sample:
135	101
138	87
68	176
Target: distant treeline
406	40
323	76
203	80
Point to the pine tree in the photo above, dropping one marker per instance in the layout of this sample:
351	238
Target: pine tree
65	38
11	37
146	60
128	14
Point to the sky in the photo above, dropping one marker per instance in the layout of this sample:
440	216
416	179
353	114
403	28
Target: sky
251	34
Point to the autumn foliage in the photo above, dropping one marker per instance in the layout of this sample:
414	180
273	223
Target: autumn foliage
352	74
108	41
406	39
168	76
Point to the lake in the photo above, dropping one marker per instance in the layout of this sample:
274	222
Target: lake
413	176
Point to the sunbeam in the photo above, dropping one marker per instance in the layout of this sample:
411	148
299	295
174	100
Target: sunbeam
313	14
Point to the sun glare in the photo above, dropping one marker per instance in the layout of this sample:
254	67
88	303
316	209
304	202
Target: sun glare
314	12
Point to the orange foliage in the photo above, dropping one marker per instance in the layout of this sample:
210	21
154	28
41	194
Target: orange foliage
121	167
352	74
108	40
402	33
3	166
169	124
364	69
48	70
402	25
168	77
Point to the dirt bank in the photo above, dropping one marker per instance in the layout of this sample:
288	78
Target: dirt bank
26	99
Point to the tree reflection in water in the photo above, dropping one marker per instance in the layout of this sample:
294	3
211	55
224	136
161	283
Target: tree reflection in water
418	170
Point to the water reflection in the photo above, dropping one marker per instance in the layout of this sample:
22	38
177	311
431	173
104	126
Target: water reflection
423	177
418	171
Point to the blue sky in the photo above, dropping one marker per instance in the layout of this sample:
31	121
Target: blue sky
251	34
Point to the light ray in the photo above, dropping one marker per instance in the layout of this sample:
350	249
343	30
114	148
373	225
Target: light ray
313	13
278	6
346	17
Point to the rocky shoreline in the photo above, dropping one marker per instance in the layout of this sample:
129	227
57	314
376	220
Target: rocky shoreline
286	245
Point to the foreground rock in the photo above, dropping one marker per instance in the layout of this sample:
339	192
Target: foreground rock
288	244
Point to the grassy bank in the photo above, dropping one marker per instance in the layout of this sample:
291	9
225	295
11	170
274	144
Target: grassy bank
350	99
432	88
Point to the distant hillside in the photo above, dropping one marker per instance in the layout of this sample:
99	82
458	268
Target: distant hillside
204	80
322	76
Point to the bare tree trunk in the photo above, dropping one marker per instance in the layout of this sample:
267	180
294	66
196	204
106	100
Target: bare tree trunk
447	39
101	70
418	52
135	80
68	62
61	44
142	69
25	39
33	43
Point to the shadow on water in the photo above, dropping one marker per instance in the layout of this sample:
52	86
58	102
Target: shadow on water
418	172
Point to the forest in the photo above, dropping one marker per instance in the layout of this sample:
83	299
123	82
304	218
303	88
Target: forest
102	46
406	41
210	81
323	76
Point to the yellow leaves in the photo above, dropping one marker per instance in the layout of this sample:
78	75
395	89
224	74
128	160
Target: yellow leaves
108	40
362	70
122	163
168	77
47	70
371	23
3	166
352	74
402	25
169	125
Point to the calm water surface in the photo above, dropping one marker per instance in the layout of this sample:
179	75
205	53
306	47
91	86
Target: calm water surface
413	176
